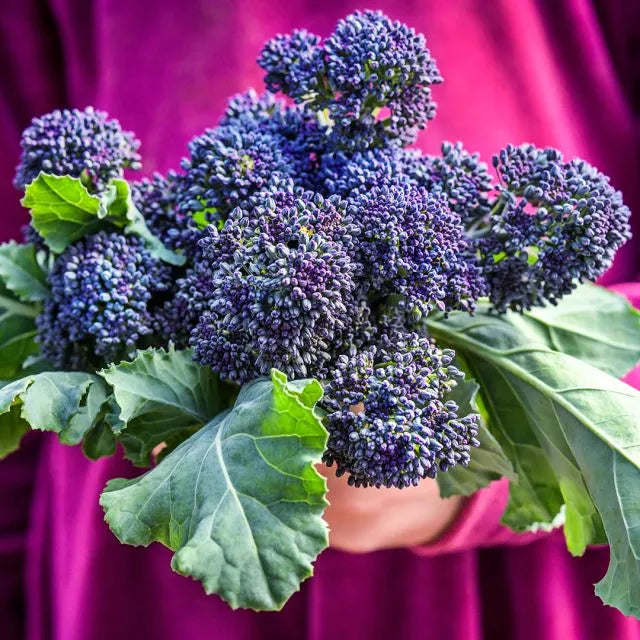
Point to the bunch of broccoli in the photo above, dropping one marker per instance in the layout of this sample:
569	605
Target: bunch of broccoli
316	242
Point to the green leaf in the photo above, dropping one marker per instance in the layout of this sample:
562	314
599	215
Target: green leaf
592	324
66	403
89	411
17	334
535	500
240	501
162	395
10	304
18	347
488	462
616	495
32	366
586	423
99	442
12	428
120	203
17	343
21	273
62	210
116	204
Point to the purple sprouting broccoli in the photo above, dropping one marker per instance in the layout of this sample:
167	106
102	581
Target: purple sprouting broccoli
281	293
553	225
352	174
259	142
371	78
102	292
410	244
294	64
461	177
82	144
179	314
226	165
390	423
156	199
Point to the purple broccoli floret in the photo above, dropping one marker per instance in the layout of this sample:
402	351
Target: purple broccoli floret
390	423
82	144
554	224
281	292
102	292
372	77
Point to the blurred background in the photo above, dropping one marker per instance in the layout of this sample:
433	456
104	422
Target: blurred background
564	73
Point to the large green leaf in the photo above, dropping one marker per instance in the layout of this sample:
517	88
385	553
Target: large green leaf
21	273
592	324
62	210
66	403
535	499
488	461
240	501
586	423
163	396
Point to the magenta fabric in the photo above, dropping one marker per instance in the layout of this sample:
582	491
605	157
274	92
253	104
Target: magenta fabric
558	73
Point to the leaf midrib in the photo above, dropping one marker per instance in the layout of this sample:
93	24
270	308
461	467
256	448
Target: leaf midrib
485	352
18	308
523	478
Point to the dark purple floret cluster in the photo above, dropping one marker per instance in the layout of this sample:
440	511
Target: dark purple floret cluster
296	128
156	199
554	224
77	143
294	64
352	174
375	63
390	423
316	242
260	141
176	319
228	164
102	290
282	294
412	244
372	77
460	176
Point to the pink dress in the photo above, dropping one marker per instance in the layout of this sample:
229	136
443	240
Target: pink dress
557	74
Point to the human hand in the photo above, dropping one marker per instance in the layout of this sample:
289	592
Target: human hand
362	520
